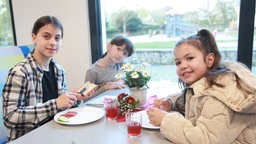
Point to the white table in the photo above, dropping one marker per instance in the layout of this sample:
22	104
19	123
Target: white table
102	131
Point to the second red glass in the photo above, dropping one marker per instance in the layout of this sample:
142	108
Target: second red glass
111	109
133	122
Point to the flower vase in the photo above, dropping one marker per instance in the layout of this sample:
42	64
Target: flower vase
139	94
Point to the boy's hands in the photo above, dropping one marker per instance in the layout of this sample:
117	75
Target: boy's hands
66	100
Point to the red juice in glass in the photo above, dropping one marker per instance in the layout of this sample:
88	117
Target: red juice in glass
111	112
111	108
134	128
133	122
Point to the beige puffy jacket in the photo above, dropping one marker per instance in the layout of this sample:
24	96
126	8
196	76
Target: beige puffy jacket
216	115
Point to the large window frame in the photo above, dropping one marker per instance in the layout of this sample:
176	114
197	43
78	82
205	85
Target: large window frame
245	33
95	29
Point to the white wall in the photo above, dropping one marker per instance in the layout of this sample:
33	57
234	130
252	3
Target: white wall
75	55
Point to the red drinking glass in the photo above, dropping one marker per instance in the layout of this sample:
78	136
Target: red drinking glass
111	109
133	122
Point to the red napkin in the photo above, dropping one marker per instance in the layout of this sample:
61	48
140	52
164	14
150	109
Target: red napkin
149	103
120	118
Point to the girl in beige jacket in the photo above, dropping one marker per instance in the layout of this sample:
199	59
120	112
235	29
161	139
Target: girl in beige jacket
218	104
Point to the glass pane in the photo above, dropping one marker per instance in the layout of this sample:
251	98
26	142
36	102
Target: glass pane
254	47
154	27
6	32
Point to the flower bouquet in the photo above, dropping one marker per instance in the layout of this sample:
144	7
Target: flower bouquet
126	103
136	78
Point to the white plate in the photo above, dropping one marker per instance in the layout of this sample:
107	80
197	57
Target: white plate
84	115
99	101
145	121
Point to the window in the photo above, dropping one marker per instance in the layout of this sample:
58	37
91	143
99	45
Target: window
6	32
254	46
155	27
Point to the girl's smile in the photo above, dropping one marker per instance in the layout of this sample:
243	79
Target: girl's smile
186	74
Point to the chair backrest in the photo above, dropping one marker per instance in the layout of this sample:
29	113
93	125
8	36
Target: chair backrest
9	56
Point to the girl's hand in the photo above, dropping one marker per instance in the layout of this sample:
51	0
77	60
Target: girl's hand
66	100
162	104
155	116
114	85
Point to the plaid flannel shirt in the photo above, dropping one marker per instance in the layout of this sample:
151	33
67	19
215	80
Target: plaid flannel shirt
23	107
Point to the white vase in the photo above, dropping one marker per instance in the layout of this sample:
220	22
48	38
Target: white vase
139	94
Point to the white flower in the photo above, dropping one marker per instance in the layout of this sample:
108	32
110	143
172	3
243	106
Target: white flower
145	73
139	69
127	67
134	75
119	75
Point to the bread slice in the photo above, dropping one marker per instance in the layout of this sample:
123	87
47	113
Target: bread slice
86	88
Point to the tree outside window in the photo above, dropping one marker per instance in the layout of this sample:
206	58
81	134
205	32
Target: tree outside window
6	34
